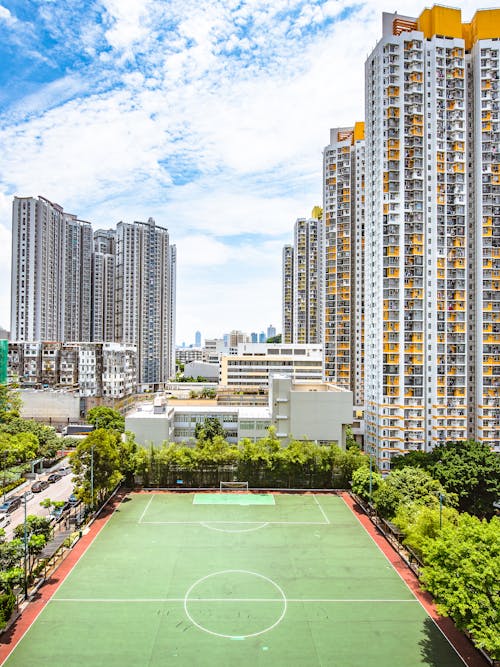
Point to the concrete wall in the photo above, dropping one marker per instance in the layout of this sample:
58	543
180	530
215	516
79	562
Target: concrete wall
57	406
150	429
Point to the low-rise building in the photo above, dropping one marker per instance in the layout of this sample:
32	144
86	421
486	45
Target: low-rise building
254	362
299	410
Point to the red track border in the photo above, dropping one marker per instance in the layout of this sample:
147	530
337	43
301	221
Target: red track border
457	639
11	637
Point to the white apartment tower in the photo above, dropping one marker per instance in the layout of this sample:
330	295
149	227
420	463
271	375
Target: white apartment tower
432	229
50	275
145	277
77	302
343	259
103	285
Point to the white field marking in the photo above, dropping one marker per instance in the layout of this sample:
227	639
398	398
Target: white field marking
322	510
218	634
237	523
64	581
146	509
257	526
239	600
401	577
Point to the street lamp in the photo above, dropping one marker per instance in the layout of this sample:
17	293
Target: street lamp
92	478
371	479
25	498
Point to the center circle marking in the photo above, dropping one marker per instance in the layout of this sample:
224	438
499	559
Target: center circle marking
219	634
213	526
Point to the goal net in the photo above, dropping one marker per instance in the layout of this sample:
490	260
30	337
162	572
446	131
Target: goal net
234	486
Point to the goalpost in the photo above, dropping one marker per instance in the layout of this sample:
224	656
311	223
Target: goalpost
233	486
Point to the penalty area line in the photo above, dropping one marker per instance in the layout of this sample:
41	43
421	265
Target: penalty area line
145	510
321	509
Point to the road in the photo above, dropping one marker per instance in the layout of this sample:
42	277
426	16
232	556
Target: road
60	490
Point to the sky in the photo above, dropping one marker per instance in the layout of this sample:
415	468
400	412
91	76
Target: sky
209	116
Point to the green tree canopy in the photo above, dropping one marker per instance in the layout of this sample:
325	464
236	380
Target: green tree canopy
468	469
463	574
100	454
407	486
10	402
107	418
208	430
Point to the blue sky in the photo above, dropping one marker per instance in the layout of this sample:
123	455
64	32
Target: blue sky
210	116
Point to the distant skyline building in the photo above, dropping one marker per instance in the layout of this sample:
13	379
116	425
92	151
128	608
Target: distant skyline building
271	331
197	339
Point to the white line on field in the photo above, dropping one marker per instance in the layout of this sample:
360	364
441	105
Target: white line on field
322	510
146	509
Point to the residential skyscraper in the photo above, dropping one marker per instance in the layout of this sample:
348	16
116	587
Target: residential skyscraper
301	283
103	285
343	259
197	339
145	295
287	294
77	302
50	275
432	304
118	286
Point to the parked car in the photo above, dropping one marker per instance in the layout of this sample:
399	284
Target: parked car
65	470
40	485
73	500
58	512
4	520
55	477
10	505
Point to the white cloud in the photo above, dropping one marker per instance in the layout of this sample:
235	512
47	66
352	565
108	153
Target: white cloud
214	126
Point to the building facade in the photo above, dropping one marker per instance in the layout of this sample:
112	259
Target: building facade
343	259
301	290
103	285
91	369
255	362
144	299
433	233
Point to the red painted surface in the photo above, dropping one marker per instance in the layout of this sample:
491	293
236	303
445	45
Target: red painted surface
10	638
458	640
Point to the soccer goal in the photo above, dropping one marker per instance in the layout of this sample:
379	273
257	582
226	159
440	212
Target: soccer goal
233	486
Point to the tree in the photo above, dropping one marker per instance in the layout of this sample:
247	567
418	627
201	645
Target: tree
420	523
48	441
462	572
107	418
406	486
274	339
207	431
96	465
361	482
467	468
10	402
36	525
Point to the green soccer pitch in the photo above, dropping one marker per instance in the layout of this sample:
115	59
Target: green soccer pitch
186	579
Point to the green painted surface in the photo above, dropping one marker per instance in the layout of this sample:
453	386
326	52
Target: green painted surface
233	499
4	359
169	582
